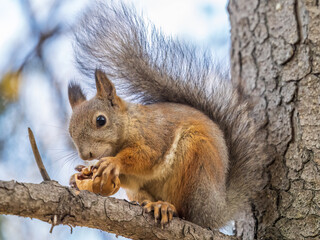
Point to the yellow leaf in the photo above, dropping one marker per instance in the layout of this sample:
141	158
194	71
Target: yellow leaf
10	85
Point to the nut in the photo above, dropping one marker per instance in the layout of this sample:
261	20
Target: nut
84	181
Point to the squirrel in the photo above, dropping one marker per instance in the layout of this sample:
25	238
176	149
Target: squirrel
185	144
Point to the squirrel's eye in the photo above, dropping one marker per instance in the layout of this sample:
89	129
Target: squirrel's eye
100	121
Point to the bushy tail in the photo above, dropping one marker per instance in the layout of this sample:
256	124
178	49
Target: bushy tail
144	63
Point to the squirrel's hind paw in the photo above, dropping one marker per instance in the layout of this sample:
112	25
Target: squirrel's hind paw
162	210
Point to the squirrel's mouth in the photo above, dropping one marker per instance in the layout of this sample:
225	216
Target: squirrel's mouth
106	153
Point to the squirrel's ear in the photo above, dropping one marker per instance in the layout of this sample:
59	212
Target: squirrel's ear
105	88
75	94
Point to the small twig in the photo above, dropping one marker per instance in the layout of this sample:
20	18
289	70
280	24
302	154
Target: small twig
71	228
37	157
54	222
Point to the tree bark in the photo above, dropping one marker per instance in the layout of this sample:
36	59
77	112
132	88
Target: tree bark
276	56
53	203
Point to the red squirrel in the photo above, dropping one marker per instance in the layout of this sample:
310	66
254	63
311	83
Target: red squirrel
187	145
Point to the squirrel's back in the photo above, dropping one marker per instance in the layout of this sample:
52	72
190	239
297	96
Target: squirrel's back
152	68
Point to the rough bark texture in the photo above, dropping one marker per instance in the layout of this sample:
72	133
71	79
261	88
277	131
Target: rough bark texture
74	208
276	55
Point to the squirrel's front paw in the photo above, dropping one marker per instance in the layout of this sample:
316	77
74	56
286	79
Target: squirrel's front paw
106	177
164	210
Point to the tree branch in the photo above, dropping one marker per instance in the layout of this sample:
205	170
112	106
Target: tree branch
56	204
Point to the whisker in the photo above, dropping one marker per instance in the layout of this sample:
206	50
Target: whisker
63	129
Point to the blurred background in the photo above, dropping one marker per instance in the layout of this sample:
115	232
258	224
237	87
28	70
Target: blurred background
36	63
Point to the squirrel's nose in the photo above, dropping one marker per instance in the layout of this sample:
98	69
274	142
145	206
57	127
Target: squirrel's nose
86	155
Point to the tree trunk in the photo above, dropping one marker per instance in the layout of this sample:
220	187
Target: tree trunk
276	55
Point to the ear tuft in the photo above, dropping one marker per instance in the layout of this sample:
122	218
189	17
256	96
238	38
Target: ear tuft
105	88
75	94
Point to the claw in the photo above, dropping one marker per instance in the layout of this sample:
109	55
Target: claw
145	202
97	165
164	216
106	177
99	172
79	168
170	214
156	210
162	210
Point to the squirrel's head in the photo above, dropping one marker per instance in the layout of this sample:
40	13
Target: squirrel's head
97	125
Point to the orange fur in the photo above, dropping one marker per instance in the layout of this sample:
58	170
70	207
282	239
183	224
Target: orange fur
208	162
161	152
